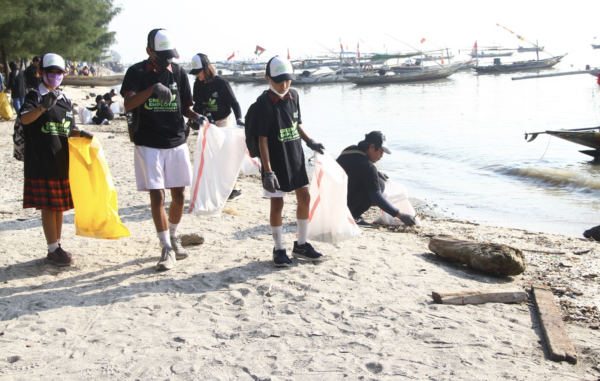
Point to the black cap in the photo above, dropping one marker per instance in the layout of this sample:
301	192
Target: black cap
161	43
199	62
377	138
98	98
37	59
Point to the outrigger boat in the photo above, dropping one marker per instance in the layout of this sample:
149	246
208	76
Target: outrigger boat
422	75
499	67
589	137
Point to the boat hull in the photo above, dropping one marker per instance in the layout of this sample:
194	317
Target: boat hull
108	80
519	66
405	77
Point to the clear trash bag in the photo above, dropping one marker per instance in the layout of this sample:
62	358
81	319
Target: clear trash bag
397	195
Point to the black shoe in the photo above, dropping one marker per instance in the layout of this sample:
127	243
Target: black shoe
362	223
280	258
235	194
305	251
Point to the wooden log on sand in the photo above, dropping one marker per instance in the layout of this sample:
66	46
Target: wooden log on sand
558	340
479	297
489	257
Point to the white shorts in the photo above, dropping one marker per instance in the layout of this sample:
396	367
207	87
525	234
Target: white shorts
277	194
158	168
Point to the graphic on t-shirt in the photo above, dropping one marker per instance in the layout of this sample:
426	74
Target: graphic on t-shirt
211	105
55	128
153	104
288	134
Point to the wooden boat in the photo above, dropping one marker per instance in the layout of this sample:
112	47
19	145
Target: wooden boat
483	54
594	46
103	80
588	137
423	75
498	67
242	78
318	79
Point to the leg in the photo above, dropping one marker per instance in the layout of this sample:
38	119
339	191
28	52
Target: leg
157	206
52	227
177	205
49	225
59	223
280	258
303	197
302	249
276	211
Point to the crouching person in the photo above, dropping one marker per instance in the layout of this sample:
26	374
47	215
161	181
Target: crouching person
279	128
48	123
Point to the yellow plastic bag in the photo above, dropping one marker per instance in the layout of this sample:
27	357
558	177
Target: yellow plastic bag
5	109
93	191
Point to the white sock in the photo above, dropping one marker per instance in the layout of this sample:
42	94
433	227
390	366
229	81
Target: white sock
277	236
173	229
52	247
58	242
165	239
302	231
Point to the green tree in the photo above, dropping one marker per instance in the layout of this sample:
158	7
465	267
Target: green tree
75	29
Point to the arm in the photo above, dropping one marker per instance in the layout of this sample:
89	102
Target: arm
377	199
303	134
233	102
263	145
31	116
133	99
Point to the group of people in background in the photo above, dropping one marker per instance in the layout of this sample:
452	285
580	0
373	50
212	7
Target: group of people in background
158	94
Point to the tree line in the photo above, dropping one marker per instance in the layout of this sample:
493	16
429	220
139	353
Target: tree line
75	29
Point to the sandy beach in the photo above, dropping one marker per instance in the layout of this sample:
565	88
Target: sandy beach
225	313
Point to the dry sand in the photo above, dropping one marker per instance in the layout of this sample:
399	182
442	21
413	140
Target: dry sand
225	313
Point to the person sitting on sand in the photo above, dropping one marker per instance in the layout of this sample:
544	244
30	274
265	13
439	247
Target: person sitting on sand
284	170
103	112
365	183
160	91
109	96
47	118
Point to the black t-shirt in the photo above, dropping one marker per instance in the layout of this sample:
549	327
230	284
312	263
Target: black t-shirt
280	126
46	139
16	84
362	173
160	125
215	97
30	79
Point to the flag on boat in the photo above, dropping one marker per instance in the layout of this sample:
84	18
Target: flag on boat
475	46
258	51
357	50
341	46
288	53
422	40
231	56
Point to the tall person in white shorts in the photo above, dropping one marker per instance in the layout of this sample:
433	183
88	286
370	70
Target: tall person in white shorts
158	91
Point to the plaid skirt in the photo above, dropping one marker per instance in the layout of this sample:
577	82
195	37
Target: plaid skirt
48	194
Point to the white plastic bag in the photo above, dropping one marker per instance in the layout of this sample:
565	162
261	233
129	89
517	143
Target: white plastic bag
217	161
397	195
118	108
85	115
250	165
329	218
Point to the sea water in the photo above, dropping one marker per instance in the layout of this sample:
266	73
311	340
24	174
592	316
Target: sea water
458	143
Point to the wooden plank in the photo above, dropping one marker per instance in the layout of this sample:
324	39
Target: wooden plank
479	296
556	74
558	340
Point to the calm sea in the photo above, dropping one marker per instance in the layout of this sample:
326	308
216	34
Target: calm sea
458	143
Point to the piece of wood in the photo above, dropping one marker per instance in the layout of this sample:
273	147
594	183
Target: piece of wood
494	258
479	296
556	74
559	344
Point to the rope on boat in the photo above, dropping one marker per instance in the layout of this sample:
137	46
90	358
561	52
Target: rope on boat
549	137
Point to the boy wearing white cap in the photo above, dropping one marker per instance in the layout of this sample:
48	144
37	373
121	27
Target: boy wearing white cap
158	91
279	128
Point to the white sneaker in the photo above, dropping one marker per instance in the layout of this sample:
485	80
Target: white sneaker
180	252
167	260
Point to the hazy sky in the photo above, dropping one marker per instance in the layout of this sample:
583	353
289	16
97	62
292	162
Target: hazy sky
219	28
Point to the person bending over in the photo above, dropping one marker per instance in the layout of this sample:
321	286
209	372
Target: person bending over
279	128
365	183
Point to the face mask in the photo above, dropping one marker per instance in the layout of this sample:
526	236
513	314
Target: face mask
273	90
162	63
53	79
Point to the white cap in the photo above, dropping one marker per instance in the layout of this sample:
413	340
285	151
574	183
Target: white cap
52	61
161	41
280	69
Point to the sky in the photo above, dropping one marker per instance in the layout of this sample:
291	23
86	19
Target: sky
310	28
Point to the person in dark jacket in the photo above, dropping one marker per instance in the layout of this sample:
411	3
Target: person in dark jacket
103	112
32	79
365	183
16	85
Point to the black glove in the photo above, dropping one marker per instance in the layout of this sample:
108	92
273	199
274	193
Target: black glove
407	219
50	100
163	93
200	119
315	146
382	176
85	134
270	182
240	122
193	125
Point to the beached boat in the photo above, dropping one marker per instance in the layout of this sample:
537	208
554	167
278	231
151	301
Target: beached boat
423	75
588	137
103	80
499	67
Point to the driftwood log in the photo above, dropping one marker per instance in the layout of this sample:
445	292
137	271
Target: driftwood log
478	296
489	257
557	338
